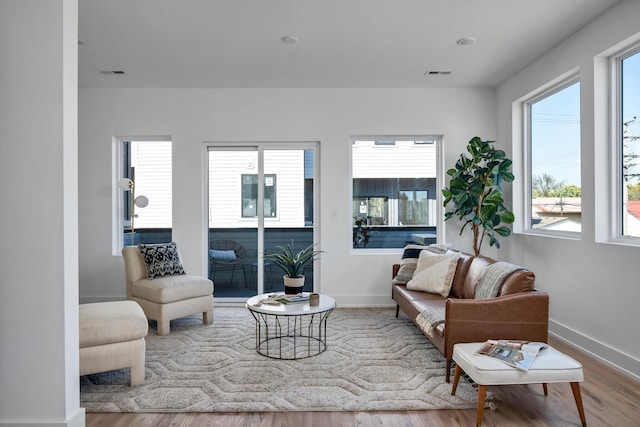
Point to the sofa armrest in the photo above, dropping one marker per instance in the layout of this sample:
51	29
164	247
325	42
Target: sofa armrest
522	316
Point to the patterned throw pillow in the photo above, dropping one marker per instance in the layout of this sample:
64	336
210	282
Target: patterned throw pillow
161	259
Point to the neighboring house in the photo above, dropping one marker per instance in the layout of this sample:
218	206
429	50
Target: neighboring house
557	213
397	193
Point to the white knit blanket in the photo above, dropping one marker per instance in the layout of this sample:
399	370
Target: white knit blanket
494	275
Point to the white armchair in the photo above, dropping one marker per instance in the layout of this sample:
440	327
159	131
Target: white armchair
165	298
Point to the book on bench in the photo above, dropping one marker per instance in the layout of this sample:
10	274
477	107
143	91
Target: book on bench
519	354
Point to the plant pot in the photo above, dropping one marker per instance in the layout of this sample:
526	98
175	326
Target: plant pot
293	285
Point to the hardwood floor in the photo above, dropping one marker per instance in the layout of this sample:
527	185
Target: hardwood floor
610	399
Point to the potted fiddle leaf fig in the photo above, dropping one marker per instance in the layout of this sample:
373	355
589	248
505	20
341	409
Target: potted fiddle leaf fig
293	264
475	192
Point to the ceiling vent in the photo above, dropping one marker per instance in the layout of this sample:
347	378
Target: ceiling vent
437	73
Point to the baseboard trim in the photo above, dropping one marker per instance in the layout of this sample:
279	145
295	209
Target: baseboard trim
611	357
76	420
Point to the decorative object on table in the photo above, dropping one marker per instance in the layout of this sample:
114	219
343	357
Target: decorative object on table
475	192
125	184
277	299
293	264
314	300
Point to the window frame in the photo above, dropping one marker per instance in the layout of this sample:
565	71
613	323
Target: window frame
616	124
433	139
274	199
524	224
118	197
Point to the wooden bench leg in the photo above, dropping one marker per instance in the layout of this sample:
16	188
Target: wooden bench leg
544	388
456	378
397	309
482	394
575	387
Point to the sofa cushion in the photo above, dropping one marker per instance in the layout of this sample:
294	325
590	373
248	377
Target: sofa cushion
409	260
408	264
434	273
457	286
168	289
161	259
111	322
475	274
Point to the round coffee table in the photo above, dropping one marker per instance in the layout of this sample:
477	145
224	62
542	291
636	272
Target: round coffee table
290	331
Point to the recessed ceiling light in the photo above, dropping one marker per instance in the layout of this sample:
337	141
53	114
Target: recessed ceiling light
466	41
289	39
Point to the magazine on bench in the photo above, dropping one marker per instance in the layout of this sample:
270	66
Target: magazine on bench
519	354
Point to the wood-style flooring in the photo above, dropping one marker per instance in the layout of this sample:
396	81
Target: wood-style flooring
610	399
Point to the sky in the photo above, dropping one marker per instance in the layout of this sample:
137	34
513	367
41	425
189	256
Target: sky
555	126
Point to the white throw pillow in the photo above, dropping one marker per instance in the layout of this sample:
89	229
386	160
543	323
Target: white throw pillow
434	273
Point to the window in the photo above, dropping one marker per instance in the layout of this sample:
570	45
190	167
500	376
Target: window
413	206
395	198
553	122
628	137
143	192
250	195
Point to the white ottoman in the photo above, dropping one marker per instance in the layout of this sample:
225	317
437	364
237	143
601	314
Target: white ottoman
550	366
112	337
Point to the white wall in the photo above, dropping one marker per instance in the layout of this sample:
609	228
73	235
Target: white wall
39	224
593	287
191	116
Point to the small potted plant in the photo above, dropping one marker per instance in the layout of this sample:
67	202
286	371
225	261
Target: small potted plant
293	264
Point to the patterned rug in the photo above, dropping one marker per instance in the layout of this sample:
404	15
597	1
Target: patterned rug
374	361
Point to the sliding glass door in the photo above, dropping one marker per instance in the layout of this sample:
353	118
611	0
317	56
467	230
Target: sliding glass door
260	197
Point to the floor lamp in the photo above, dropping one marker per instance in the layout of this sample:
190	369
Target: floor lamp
126	184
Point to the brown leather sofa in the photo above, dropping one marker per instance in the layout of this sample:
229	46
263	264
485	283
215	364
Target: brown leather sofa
518	312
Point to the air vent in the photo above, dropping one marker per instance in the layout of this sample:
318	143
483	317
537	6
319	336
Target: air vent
116	72
437	73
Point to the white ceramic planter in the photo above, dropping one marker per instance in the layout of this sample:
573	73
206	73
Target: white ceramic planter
292	285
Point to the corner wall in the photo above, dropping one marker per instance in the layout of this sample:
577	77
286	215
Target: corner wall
593	286
38	182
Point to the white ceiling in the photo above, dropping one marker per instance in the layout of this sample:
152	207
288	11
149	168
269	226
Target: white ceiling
342	43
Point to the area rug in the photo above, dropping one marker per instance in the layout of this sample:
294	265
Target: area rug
373	361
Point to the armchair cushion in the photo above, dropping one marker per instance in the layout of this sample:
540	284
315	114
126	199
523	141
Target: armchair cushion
164	290
161	259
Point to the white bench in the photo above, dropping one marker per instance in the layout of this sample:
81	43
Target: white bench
550	366
112	337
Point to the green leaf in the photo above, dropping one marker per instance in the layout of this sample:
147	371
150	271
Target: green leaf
503	231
